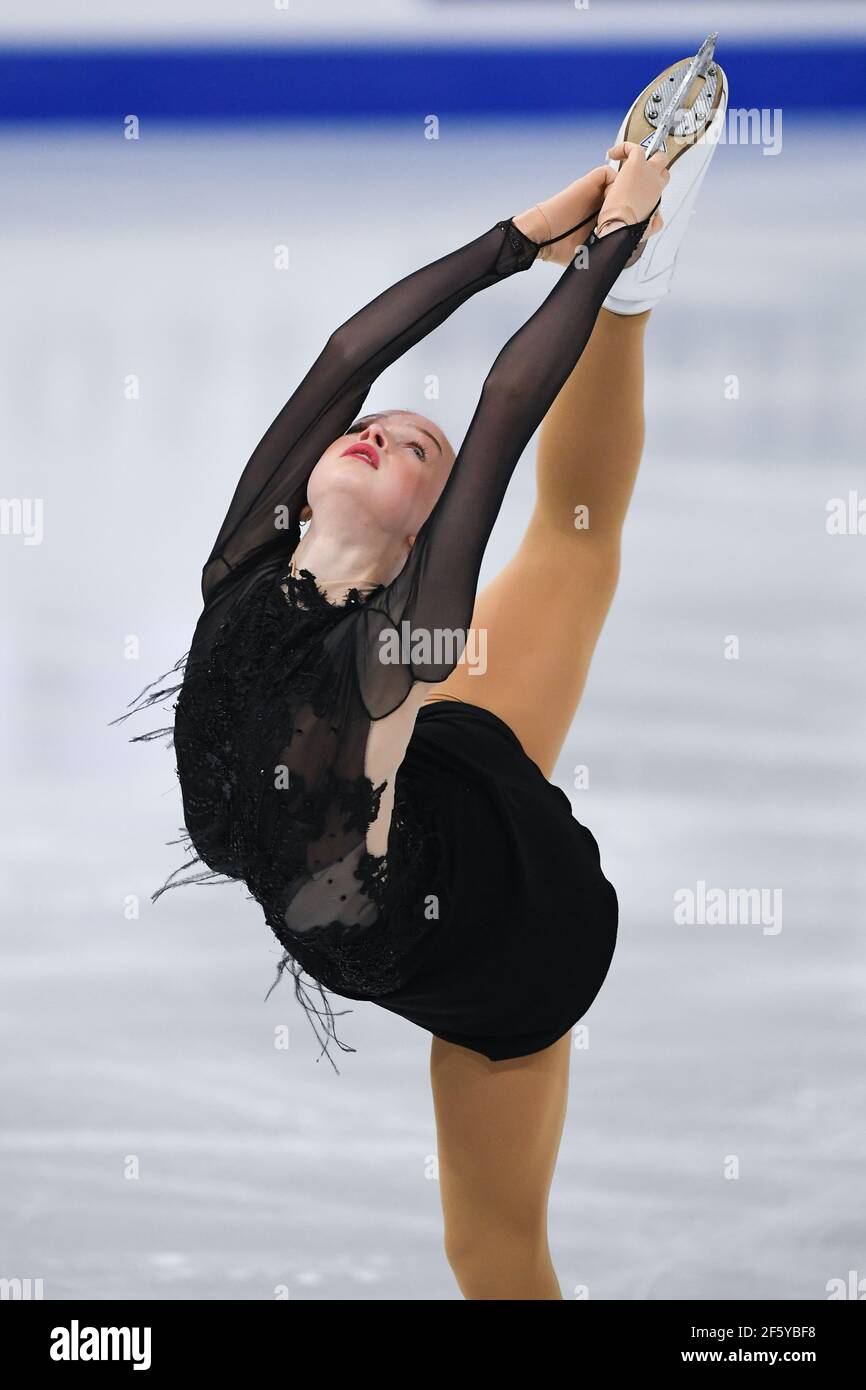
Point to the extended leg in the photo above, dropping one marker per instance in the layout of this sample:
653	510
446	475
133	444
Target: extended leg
499	1126
544	611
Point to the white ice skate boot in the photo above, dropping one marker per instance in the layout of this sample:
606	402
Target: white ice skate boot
682	114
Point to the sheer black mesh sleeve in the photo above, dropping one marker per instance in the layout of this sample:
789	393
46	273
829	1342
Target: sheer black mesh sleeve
272	487
427	608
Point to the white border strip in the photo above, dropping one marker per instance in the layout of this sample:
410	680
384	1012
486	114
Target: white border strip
398	22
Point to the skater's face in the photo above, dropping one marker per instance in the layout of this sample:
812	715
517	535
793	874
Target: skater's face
392	482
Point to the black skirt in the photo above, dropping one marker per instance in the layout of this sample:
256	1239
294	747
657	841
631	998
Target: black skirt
527	921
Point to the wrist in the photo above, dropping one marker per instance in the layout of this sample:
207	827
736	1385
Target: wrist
533	224
616	215
610	224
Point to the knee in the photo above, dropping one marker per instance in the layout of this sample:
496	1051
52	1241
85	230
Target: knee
589	559
595	562
505	1260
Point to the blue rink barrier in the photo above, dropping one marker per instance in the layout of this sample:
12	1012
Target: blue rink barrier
251	84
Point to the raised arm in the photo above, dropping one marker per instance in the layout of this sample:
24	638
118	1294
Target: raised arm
434	593
273	484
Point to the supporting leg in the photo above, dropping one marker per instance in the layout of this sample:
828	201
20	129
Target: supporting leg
499	1126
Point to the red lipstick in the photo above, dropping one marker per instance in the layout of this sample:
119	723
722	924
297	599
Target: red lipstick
365	451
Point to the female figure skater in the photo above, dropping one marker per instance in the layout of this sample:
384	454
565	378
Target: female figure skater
387	806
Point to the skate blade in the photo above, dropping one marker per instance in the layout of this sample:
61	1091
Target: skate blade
694	113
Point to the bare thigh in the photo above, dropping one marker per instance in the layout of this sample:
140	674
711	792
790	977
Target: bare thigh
499	1126
541	618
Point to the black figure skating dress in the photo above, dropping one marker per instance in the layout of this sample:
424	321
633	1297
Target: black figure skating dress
458	891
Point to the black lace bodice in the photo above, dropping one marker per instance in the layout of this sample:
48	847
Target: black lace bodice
281	685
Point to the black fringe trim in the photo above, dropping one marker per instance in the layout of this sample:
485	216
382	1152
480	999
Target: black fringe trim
206	876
